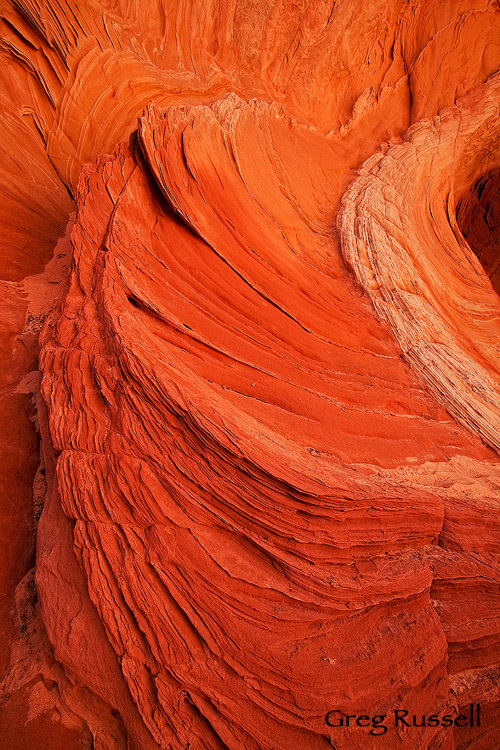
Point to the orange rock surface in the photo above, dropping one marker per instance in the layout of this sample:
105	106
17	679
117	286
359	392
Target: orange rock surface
250	310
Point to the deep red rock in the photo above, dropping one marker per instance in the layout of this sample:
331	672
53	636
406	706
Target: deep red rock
269	399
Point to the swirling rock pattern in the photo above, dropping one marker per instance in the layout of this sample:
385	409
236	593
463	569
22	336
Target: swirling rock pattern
269	428
410	256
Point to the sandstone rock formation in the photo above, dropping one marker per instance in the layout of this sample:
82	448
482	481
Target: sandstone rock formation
250	309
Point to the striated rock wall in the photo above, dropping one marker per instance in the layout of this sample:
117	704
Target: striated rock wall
401	238
268	406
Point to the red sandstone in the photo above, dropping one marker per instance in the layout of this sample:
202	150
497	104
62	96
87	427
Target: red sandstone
250	313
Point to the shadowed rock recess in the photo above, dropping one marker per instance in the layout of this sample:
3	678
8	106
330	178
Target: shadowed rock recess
250	381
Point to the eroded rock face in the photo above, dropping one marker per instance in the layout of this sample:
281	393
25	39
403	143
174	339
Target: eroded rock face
400	236
269	398
478	219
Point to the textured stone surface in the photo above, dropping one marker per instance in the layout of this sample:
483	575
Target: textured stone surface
269	399
401	238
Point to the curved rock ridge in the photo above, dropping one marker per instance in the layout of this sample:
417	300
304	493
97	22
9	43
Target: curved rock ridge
400	237
214	424
254	509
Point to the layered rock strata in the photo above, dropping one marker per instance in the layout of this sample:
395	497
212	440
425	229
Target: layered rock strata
269	426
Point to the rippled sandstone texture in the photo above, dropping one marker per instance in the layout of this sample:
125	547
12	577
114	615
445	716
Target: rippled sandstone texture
269	389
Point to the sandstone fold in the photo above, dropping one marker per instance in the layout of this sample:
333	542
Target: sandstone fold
201	409
250	331
401	238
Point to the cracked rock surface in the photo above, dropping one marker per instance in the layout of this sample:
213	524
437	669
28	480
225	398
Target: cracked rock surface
250	313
